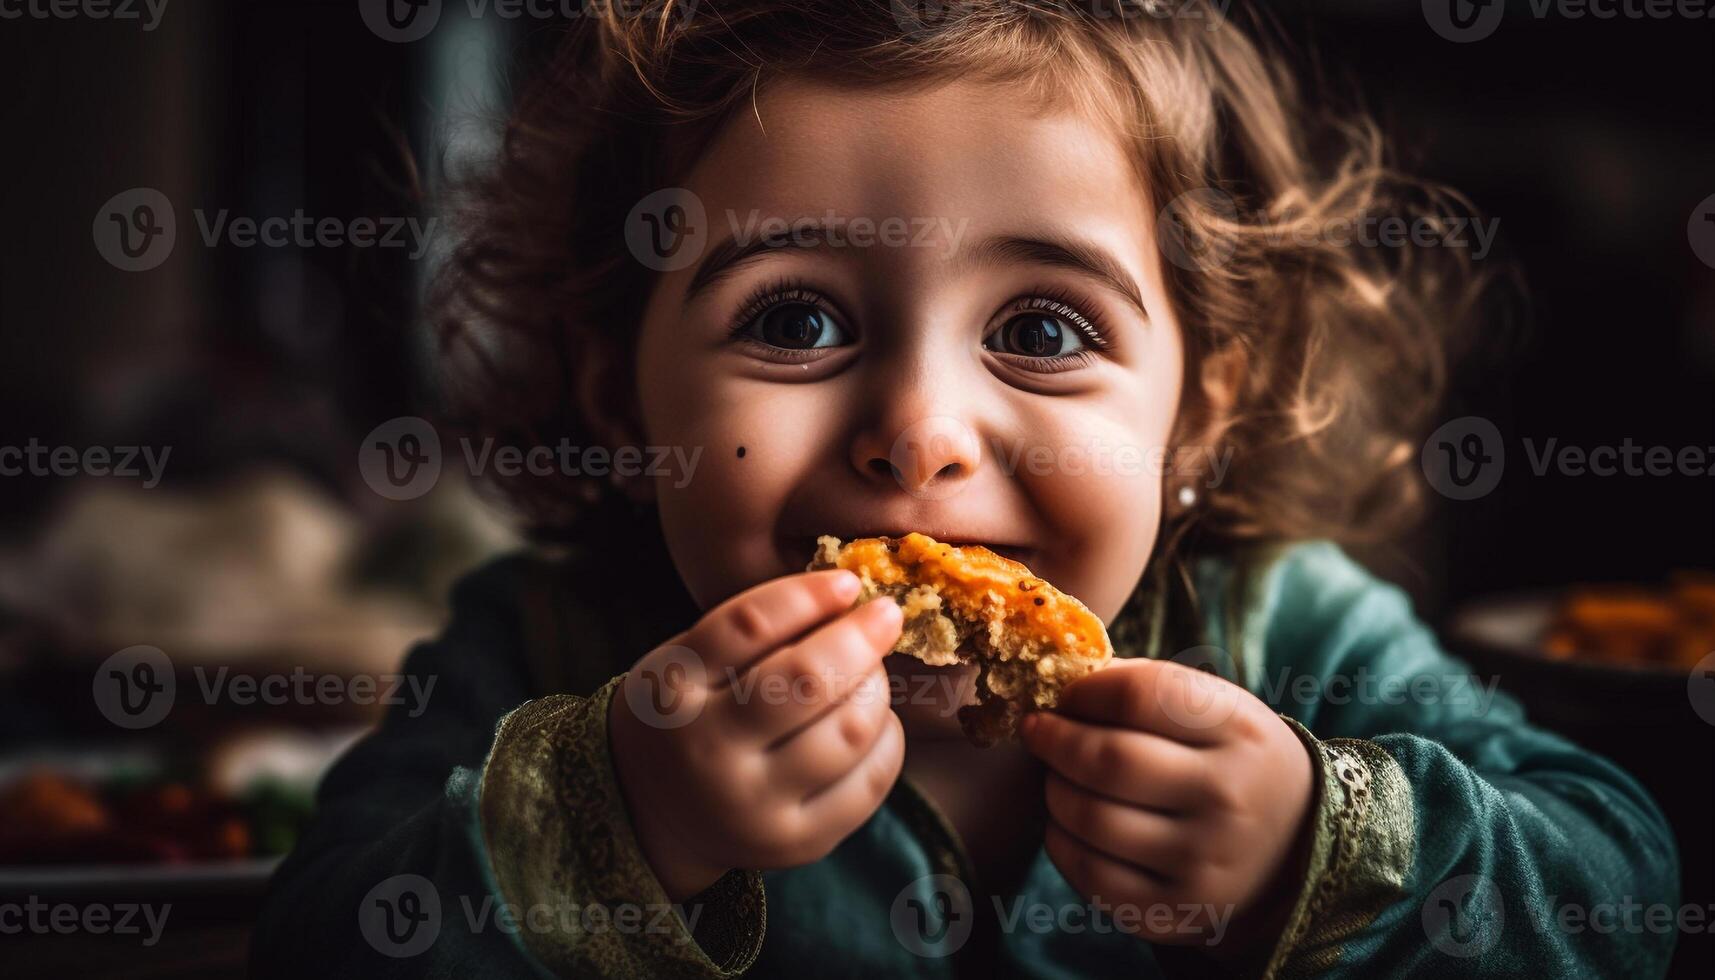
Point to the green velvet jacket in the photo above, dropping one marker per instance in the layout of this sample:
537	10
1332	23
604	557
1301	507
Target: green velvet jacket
485	837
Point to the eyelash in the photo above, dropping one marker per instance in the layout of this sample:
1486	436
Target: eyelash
789	290
1063	304
1043	299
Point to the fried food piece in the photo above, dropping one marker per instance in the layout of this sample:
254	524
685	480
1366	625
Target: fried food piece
968	604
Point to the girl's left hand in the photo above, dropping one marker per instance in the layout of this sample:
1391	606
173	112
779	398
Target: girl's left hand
1170	788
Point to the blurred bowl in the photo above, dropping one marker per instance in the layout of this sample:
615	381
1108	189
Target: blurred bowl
1503	637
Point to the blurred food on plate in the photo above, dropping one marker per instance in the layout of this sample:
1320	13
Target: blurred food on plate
1670	626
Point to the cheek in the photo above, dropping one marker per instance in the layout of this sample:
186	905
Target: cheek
719	522
1098	481
1097	484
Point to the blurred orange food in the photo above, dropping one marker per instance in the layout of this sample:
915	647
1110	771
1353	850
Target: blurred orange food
1672	626
50	818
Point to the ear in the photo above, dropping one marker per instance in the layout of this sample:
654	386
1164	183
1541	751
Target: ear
1209	409
606	392
1222	379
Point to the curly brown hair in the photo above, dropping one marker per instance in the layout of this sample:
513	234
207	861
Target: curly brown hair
1343	347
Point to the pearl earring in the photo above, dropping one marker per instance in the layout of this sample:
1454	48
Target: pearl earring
1187	496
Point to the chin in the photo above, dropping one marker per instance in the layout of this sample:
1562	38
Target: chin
927	699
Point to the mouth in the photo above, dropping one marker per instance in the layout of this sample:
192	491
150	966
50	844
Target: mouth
1023	554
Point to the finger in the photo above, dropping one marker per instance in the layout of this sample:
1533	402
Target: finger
760	619
793	685
1144	837
850	800
1095	874
1159	696
1133	767
820	753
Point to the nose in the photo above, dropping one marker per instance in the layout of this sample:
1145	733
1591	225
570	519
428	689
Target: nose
928	456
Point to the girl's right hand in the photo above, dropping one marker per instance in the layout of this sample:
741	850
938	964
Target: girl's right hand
763	735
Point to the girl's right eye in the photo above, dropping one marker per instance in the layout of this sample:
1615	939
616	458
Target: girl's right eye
793	320
797	326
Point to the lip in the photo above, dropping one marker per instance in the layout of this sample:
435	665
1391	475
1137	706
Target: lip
1023	554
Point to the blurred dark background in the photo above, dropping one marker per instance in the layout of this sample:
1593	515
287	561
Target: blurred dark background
1592	141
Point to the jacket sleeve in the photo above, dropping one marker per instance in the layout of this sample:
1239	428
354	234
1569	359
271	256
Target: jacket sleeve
1450	834
397	874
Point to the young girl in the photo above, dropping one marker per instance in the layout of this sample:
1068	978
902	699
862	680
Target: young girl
1113	335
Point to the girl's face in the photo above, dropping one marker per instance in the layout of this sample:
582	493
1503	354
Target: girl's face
968	337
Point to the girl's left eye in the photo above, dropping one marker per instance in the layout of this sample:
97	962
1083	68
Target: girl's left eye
1048	332
1035	335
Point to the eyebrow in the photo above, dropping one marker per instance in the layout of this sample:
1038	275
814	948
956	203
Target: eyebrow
1082	257
725	258
1075	255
